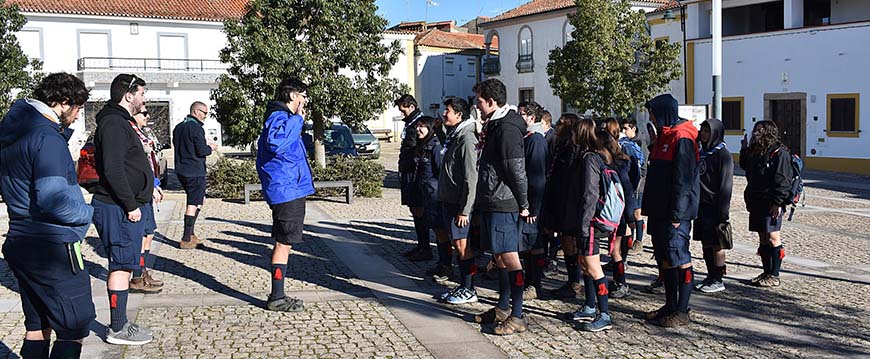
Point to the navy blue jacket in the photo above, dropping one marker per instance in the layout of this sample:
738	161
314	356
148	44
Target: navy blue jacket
282	163
38	178
191	149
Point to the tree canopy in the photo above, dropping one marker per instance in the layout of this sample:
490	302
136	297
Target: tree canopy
19	72
334	46
610	64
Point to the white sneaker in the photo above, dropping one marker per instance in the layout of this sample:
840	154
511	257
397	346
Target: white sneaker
462	295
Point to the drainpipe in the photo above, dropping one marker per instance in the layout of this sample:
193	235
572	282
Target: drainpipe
717	59
685	56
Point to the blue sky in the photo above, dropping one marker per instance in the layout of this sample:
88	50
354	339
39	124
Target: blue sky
462	11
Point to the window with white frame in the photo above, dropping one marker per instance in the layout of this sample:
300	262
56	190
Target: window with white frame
525	62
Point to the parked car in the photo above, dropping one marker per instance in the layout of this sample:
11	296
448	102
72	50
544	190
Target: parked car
86	168
367	145
337	140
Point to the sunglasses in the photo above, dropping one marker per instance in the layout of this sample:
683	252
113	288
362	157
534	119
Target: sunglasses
132	83
144	113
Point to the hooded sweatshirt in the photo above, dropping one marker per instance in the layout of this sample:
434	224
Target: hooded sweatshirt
126	178
282	163
717	171
457	181
672	186
409	142
501	183
38	178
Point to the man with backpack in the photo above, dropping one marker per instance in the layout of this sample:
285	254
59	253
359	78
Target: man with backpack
634	145
671	203
712	227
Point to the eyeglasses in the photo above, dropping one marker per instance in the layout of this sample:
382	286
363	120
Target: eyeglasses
204	112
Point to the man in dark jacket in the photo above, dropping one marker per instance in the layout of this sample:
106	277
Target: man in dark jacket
48	217
537	156
671	203
501	199
126	185
282	166
717	176
191	149
408	106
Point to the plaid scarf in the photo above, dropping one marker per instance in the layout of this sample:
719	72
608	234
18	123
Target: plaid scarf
149	146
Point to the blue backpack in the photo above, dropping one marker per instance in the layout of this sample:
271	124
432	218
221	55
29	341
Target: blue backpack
611	201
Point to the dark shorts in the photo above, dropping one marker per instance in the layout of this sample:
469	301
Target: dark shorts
501	231
704	227
194	188
52	296
449	211
148	218
589	246
760	220
121	238
287	221
670	245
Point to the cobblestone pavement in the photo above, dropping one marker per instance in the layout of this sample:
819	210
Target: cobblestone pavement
211	306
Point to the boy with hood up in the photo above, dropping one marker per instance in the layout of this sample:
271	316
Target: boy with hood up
717	176
671	203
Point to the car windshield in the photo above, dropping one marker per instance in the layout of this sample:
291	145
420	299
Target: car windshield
337	138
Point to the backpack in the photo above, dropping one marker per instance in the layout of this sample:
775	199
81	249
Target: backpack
796	191
611	201
632	149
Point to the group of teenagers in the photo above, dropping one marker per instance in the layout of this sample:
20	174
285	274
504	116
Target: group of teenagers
513	185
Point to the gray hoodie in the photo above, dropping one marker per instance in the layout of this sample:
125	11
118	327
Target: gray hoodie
457	182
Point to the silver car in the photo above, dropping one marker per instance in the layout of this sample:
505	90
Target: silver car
367	145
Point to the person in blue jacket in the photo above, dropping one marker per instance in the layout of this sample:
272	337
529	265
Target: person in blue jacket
624	164
48	217
282	166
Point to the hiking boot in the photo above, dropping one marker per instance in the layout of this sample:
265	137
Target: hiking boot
130	334
494	314
710	285
285	304
420	256
511	326
461	296
140	285
188	244
530	293
768	281
657	286
636	247
758	278
619	290
675	319
585	314
601	322
444	273
655	315
146	275
195	239
568	290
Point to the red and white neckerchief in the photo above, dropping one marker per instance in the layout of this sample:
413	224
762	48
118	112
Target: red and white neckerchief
149	146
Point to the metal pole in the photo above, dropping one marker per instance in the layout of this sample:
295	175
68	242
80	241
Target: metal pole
717	59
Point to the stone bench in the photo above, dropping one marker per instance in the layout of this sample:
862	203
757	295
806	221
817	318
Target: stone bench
317	184
383	134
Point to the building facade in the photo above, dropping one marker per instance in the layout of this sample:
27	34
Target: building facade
800	63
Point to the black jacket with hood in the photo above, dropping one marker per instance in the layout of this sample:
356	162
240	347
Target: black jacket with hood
568	208
767	178
672	186
717	172
126	178
409	143
502	185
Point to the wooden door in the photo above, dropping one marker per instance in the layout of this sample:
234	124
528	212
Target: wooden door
787	115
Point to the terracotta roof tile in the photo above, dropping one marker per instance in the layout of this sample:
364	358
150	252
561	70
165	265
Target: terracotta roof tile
541	6
201	10
671	4
453	40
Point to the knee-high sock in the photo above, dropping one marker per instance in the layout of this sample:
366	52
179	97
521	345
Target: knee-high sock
35	349
444	253
118	308
517	286
765	252
602	294
639	228
619	272
573	268
589	289
65	349
466	271
776	256
672	282
278	272
536	270
687	278
421	226
189	222
504	289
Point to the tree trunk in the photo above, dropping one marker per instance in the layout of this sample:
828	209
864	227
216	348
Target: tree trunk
319	148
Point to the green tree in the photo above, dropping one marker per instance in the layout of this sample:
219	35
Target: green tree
312	40
19	72
610	64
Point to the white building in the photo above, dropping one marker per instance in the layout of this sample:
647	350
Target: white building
801	63
526	35
174	49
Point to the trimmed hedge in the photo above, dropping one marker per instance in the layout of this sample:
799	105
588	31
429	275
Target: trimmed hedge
227	177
